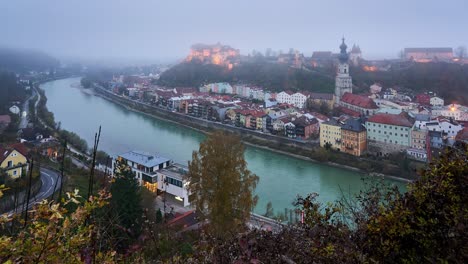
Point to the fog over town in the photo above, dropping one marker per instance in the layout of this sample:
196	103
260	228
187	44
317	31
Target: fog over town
165	30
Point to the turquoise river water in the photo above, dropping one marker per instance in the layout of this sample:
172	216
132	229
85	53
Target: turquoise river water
281	177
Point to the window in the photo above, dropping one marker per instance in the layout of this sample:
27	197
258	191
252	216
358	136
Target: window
14	172
10	164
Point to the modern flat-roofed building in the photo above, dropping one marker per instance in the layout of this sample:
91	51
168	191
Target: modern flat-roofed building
144	166
172	181
156	173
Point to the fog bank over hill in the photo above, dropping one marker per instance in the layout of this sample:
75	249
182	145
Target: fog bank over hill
150	30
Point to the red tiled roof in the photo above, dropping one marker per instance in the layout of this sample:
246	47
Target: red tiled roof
359	101
319	116
5	119
350	112
462	135
322	96
185	220
390	119
20	147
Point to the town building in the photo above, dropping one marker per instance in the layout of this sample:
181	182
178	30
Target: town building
301	128
375	88
462	136
14	160
428	54
156	173
330	134
323	98
436	101
420	144
172	181
355	56
387	133
423	99
144	166
297	99
14	109
343	81
353	137
322	59
360	104
270	118
455	111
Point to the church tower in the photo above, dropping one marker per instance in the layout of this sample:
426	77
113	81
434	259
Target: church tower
343	82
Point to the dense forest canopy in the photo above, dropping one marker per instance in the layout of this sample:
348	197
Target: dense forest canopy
10	90
26	60
271	76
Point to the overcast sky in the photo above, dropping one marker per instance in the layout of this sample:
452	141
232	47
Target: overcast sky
153	29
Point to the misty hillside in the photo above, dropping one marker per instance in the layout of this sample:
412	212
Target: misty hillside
19	60
448	80
275	77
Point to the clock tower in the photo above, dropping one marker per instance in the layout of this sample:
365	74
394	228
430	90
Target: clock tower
343	82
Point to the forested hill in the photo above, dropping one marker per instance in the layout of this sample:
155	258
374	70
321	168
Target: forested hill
275	77
18	60
448	80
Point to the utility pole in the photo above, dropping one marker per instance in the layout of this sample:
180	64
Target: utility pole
29	193
93	163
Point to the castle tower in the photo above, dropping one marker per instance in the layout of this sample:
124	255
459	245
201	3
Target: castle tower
343	82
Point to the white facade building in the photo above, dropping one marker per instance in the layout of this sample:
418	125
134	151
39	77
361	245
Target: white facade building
284	97
436	101
455	111
297	99
172	181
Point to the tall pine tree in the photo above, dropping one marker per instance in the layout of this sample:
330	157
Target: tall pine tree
221	186
125	203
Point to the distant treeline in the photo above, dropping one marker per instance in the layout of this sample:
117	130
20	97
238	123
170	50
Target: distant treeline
448	80
22	61
275	77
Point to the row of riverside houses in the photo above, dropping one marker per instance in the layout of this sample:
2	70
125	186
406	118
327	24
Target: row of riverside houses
419	135
157	174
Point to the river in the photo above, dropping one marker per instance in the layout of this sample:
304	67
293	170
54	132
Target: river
281	177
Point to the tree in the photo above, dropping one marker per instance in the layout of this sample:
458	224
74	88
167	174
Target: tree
427	224
461	52
86	83
125	205
221	186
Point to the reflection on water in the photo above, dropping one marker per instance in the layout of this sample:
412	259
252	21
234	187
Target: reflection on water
281	177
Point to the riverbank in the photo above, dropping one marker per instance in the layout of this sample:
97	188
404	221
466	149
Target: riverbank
292	150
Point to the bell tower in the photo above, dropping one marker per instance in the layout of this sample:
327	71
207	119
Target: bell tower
343	82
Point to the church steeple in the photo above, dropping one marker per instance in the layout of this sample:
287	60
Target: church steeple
343	82
343	54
